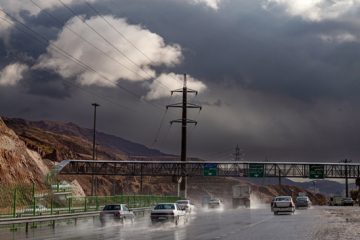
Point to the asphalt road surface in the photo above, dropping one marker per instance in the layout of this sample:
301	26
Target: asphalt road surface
231	224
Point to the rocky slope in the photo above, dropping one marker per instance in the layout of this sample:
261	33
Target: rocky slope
29	149
17	162
58	141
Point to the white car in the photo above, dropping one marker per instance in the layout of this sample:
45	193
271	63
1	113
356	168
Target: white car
283	204
185	204
39	208
214	203
167	212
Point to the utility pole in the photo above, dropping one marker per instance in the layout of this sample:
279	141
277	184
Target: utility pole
95	105
184	105
346	177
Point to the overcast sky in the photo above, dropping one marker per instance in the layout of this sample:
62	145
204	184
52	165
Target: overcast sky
280	78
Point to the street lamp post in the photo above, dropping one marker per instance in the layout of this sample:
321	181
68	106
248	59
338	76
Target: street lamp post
95	105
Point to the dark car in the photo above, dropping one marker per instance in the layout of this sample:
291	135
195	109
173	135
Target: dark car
302	202
117	212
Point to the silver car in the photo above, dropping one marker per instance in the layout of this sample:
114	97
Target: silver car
302	202
347	201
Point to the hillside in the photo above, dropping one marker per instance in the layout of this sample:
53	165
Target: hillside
327	187
58	141
29	149
18	163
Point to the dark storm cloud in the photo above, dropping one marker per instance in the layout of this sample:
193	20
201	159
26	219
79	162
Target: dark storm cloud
247	45
47	83
275	86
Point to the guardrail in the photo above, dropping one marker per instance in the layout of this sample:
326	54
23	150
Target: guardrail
54	218
25	203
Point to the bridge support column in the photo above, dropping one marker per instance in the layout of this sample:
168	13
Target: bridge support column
279	177
183	188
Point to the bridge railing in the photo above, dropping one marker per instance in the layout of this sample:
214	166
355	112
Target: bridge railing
199	168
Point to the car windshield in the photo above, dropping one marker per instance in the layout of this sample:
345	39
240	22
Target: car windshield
164	206
280	199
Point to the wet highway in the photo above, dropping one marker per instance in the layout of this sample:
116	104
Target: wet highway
204	224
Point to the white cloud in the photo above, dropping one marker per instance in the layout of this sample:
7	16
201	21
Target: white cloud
12	74
172	81
210	3
156	52
339	38
315	10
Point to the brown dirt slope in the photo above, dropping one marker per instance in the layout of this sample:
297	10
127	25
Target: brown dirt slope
17	162
58	141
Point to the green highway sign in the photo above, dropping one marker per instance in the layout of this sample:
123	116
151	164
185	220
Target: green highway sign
316	171
256	170
210	169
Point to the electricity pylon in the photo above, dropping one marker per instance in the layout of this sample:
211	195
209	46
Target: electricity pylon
184	105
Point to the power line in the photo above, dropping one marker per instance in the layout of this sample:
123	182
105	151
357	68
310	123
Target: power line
85	40
116	30
111	44
68	82
46	41
71	83
160	126
123	36
104	38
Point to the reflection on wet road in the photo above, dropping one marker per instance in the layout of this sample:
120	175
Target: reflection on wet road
244	224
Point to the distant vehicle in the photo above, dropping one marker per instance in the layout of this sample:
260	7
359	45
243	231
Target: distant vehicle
205	201
335	201
214	203
347	202
283	204
185	204
302	194
39	208
241	196
117	212
302	202
167	212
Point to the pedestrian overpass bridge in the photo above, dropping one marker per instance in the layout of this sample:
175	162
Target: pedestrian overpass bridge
313	170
